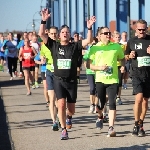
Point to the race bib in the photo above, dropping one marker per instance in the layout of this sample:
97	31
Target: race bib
64	63
107	72
143	61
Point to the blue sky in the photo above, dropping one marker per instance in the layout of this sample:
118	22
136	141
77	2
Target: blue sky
18	14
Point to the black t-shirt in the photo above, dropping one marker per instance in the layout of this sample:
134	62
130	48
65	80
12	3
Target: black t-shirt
65	58
139	45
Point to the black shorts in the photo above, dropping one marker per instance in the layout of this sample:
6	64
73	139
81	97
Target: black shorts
43	75
32	68
141	85
2	57
37	65
79	64
67	90
111	90
127	66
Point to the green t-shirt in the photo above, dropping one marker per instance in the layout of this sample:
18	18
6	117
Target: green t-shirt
47	54
106	55
85	57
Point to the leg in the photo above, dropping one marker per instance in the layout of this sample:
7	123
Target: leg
52	98
15	66
91	81
26	75
112	93
10	66
101	93
36	75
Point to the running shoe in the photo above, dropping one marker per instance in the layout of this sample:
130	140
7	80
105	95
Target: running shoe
91	109
55	126
68	123
36	85
135	131
141	132
118	101
99	123
64	135
111	132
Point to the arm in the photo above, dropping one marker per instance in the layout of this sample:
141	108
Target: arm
91	66
35	53
45	16
89	34
20	54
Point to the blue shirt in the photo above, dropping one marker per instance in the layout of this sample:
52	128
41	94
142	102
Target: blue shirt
43	66
12	48
21	44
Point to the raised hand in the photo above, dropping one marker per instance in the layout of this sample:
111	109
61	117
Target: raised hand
91	21
45	14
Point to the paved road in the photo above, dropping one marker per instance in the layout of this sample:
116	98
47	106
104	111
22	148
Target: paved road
29	122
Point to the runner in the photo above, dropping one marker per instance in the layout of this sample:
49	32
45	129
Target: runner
1	52
36	45
105	65
91	80
12	55
26	55
45	54
116	38
65	55
123	41
138	51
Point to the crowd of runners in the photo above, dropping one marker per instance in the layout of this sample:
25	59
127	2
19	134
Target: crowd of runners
109	60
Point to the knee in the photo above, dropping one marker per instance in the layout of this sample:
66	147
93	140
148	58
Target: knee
61	105
112	106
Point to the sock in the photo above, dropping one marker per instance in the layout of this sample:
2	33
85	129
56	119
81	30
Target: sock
69	117
141	123
136	123
64	128
100	117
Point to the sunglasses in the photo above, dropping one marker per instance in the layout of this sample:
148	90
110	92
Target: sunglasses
142	29
106	33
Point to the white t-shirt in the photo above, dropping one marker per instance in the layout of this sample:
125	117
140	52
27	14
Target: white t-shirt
122	42
36	46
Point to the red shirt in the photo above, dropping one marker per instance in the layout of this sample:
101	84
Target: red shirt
26	57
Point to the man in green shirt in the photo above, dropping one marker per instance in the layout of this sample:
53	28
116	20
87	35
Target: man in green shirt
45	54
105	59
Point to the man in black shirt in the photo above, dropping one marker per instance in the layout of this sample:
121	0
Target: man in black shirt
138	51
65	57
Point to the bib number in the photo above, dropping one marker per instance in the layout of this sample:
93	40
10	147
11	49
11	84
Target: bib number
64	63
107	72
143	61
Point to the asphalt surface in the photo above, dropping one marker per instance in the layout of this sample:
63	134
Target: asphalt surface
25	122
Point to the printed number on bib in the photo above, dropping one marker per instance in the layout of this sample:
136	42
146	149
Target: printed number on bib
143	61
64	63
107	72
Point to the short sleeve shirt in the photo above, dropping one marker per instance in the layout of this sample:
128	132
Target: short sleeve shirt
107	55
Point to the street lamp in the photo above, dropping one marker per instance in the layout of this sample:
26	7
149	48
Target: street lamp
33	20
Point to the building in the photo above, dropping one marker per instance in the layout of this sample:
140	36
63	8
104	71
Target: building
74	13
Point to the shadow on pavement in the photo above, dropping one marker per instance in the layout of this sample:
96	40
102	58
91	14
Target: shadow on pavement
9	83
5	143
134	147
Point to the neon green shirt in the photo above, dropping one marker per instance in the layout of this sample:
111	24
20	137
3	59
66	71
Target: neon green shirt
47	54
106	55
85	57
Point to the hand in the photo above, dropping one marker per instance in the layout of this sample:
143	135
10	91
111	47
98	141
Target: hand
20	58
132	54
122	69
148	50
45	14
102	68
43	60
91	21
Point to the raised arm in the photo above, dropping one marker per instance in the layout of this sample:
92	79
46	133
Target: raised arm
89	39
45	16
